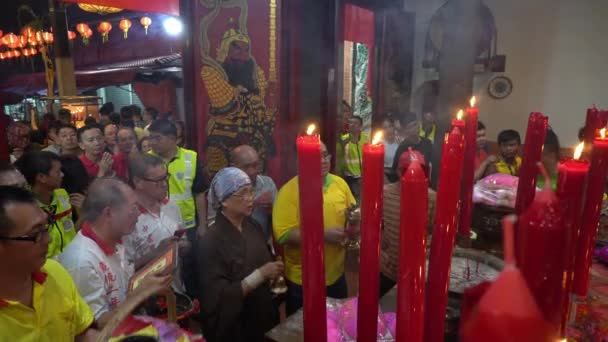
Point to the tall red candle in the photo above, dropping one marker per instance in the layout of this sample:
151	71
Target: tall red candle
444	234
596	184
468	172
570	188
533	147
542	243
371	224
412	254
310	184
593	123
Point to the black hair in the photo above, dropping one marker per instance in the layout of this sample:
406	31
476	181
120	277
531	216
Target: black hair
358	118
7	167
85	128
136	110
127	123
153	112
64	113
64	125
508	135
115	118
551	142
10	195
164	127
480	125
34	163
90	120
106	109
126	113
55	126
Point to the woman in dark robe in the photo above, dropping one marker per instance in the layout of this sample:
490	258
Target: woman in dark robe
235	266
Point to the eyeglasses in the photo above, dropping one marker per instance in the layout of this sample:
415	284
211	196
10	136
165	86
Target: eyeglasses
246	196
34	237
158	181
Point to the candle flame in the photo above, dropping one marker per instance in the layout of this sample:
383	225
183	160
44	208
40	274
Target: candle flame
472	101
310	129
603	133
579	150
563	340
377	138
459	115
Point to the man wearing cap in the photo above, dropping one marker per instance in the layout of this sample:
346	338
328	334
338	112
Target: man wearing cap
389	254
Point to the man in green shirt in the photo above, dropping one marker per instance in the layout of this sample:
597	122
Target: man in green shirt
350	155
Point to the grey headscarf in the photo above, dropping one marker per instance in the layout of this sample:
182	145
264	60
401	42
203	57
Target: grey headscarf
225	183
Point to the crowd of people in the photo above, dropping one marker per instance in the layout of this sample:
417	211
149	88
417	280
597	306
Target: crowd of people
86	208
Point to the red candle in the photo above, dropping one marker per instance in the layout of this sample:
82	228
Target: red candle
412	254
543	242
371	224
310	184
444	234
570	188
593	123
533	147
596	183
458	122
468	172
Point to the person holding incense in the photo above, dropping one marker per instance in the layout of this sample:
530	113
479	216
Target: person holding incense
337	198
235	265
389	254
508	162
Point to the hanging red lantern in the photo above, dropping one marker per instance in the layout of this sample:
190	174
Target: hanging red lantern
104	28
28	32
22	41
145	22
2	55
83	28
10	39
26	52
33	51
16	53
71	35
124	25
42	49
47	37
89	33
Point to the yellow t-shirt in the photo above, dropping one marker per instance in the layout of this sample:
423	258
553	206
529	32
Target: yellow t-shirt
337	197
509	169
59	313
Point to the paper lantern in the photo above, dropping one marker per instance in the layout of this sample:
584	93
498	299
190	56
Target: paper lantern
71	35
145	22
104	28
16	53
33	51
2	55
83	28
38	37
89	33
124	25
47	37
10	39
26	52
28	32
22	42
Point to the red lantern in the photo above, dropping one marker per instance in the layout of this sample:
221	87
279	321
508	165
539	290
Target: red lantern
89	33
16	53
145	21
104	28
83	29
33	51
124	25
26	52
47	37
10	39
28	32
71	35
1	33
2	55
21	41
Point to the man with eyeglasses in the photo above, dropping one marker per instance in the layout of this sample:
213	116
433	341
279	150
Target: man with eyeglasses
42	170
337	199
96	258
159	219
38	298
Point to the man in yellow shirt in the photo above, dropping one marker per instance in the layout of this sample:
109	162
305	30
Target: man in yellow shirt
337	198
509	161
38	299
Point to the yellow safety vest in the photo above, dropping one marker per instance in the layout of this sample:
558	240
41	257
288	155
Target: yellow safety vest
62	230
182	169
350	155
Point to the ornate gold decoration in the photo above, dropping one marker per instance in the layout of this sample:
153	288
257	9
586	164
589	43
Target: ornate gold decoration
99	9
272	47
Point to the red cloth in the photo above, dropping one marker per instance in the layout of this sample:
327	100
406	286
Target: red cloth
119	166
160	96
157	6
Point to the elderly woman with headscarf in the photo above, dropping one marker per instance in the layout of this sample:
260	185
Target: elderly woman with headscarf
236	266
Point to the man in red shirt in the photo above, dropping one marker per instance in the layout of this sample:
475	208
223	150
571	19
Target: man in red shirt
96	161
481	155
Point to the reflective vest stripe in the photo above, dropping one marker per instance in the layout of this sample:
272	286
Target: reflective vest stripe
181	197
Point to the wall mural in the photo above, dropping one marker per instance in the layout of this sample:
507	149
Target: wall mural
239	77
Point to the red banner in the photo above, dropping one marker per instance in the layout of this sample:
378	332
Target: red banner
155	6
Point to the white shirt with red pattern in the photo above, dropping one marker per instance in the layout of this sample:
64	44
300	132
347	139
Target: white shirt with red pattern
100	273
151	229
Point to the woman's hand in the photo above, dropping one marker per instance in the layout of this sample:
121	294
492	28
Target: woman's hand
77	199
272	270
